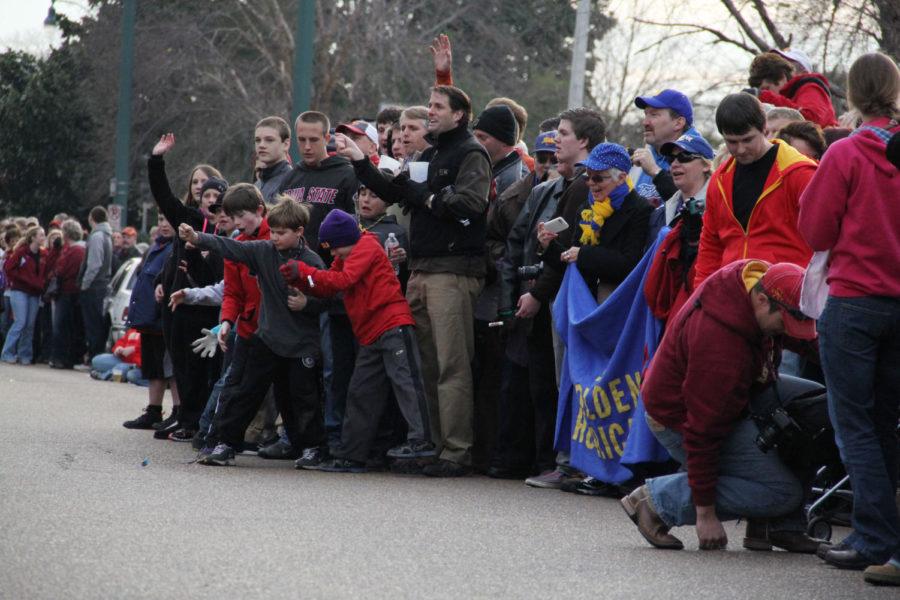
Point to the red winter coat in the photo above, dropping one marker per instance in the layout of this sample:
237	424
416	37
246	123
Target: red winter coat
25	272
711	357
241	298
131	339
809	93
771	233
67	267
372	292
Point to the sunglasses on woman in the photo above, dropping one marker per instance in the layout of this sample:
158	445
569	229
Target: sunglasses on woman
596	177
685	157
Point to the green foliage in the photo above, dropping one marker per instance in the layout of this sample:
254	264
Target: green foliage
44	139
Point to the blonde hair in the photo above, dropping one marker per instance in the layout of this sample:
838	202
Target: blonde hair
29	235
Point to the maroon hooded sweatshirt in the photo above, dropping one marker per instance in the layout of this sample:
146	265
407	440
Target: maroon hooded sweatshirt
712	357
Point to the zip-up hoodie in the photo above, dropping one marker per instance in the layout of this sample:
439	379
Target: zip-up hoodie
330	185
372	293
97	269
810	93
712	357
287	333
240	302
852	207
771	233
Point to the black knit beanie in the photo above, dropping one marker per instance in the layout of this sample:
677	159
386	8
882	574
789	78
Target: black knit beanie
499	122
214	183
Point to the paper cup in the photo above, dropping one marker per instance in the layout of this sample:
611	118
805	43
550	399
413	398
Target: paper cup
418	171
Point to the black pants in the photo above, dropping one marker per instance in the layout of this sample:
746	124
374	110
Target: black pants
297	387
95	331
194	375
527	414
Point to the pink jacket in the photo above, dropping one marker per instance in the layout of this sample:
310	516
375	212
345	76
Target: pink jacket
852	207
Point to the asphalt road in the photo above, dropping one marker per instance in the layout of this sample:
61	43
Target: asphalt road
80	517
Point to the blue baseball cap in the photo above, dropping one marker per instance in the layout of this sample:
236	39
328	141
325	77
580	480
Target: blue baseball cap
690	142
669	99
607	156
546	142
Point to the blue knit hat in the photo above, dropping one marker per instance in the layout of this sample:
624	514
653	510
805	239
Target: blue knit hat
338	229
607	156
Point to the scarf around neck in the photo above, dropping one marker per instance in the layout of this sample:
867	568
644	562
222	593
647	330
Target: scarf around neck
593	218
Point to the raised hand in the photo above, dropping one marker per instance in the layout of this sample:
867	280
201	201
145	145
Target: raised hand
347	148
442	53
176	298
166	142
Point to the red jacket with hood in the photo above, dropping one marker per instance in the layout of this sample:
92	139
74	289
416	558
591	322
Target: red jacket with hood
810	93
852	207
771	233
372	292
25	272
713	355
240	301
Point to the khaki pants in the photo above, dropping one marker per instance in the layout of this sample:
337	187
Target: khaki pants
443	305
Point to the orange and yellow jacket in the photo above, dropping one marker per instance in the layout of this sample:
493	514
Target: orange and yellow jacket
771	232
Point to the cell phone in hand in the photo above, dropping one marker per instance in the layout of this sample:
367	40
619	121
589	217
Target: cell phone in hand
556	225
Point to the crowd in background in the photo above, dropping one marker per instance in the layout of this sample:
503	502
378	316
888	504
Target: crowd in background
387	301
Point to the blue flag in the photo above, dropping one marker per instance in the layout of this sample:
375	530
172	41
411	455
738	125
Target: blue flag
600	419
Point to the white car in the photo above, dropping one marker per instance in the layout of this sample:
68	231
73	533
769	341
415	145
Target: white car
115	305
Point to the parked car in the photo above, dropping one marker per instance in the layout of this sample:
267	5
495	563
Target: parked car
115	305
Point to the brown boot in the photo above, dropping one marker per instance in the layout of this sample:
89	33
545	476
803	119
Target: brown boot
654	529
758	536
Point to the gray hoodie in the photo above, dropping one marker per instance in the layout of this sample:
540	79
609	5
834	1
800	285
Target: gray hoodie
96	270
287	333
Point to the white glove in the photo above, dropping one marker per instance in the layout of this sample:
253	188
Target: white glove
206	346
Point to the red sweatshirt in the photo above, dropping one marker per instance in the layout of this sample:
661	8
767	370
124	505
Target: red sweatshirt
67	267
240	301
712	356
852	207
131	339
372	292
25	271
807	93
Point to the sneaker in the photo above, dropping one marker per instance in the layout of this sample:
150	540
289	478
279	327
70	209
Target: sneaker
551	480
591	486
338	465
280	450
162	433
168	421
446	468
152	415
182	434
413	449
311	457
221	456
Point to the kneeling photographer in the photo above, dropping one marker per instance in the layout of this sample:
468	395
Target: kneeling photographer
721	353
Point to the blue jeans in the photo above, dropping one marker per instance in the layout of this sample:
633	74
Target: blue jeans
19	342
751	483
859	344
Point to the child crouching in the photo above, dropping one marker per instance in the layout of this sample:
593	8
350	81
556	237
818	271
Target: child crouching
383	324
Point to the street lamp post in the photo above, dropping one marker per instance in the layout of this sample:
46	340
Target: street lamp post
304	36
123	113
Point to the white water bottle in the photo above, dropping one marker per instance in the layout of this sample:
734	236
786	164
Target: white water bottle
389	245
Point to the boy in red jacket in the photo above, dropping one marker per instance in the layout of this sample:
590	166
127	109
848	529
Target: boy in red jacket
382	323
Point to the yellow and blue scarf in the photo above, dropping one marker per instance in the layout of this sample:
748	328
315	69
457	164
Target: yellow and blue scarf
593	218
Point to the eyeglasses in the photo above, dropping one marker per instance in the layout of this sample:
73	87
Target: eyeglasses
545	157
794	312
596	177
685	157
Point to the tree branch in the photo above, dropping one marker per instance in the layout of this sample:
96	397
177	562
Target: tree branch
703	29
761	44
780	42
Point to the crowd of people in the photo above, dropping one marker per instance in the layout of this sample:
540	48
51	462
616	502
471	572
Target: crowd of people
386	303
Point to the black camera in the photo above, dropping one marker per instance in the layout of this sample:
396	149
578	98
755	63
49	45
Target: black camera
774	428
529	272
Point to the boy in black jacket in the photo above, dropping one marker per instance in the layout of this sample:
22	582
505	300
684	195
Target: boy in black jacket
284	351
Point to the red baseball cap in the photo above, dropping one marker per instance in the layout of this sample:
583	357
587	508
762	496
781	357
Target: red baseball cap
782	283
129	231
